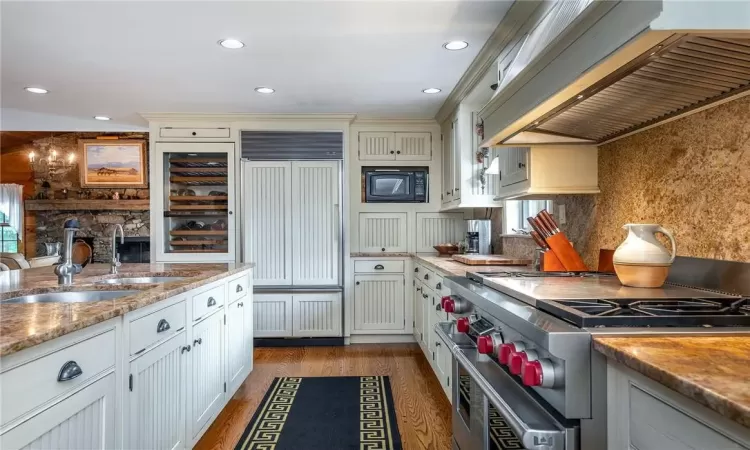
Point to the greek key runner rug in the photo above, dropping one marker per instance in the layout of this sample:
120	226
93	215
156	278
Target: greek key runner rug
324	413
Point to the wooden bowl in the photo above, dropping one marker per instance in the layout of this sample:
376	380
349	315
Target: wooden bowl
642	276
446	250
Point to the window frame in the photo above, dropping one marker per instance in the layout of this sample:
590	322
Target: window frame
515	213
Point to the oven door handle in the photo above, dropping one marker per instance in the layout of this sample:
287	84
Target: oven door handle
552	439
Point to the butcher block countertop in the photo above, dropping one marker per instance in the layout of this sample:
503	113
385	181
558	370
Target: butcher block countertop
450	267
712	370
23	325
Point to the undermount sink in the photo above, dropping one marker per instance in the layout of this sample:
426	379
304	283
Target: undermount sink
70	297
139	280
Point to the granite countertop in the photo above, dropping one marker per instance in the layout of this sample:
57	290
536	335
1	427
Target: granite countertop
23	325
450	267
712	370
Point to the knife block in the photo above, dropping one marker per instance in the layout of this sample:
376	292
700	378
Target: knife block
550	263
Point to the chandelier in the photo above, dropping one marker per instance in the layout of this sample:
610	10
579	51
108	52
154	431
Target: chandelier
54	166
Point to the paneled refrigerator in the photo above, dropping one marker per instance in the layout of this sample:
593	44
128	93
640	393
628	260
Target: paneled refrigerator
292	230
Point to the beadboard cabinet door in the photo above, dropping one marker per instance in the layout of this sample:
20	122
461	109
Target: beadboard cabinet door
417	311
316	216
516	166
267	215
86	419
316	315
207	382
157	397
237	342
376	146
379	302
272	315
413	146
382	232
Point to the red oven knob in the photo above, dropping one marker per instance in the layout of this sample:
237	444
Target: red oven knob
507	349
531	373
489	343
518	359
462	325
538	373
443	300
449	305
484	345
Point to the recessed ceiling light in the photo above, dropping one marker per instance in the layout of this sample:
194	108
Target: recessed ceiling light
231	43
102	118
431	90
264	90
455	45
580	96
36	90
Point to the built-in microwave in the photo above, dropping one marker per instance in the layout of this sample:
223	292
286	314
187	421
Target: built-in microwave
395	184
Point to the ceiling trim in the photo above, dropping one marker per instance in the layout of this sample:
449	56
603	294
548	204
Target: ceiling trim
381	120
241	117
513	20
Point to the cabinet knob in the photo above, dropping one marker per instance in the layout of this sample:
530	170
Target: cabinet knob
230	213
240	304
398	152
392	152
211	301
416	269
357	283
69	370
425	295
382	249
194	133
439	286
197	342
427	276
448	193
162	326
521	165
185	349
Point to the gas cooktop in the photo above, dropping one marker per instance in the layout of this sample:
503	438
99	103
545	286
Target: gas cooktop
676	312
478	276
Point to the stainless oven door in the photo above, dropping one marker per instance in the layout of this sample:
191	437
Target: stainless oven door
511	417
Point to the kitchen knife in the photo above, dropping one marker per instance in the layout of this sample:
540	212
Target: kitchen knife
550	220
538	227
547	225
539	241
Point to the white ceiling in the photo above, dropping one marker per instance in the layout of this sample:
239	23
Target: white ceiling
121	58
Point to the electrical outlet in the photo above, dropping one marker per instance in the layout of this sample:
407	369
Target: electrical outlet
561	214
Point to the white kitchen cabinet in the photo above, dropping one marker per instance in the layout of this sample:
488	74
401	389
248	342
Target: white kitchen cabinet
316	314
207	169
316	215
207	383
418	311
272	315
538	172
267	223
237	342
515	166
644	414
439	228
379	302
428	302
457	154
382	232
447	158
157	396
84	420
398	146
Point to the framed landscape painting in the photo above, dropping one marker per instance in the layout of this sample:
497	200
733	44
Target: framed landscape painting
112	164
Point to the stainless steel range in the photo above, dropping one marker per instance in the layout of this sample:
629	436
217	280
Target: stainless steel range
526	376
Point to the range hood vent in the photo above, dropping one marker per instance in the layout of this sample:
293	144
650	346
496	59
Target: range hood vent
683	73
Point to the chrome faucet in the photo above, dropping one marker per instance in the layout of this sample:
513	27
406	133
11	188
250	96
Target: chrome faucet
67	269
116	256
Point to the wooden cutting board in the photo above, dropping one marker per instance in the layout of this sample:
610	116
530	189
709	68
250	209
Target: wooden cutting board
490	260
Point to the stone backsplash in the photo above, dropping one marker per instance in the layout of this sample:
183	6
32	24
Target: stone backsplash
98	225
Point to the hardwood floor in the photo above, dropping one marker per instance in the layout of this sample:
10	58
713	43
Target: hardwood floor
423	410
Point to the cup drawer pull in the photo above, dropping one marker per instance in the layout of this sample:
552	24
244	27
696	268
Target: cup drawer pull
379	267
211	301
239	288
162	326
69	370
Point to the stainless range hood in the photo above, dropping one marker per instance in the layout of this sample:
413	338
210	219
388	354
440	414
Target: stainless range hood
631	66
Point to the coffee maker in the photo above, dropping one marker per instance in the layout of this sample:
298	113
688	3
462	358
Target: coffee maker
478	237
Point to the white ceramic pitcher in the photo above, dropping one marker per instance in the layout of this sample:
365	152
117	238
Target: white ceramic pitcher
642	248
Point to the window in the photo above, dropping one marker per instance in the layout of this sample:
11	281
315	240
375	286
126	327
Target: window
9	238
515	213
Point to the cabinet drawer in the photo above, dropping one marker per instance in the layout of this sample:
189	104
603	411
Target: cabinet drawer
238	288
36	382
426	276
155	327
170	132
378	266
208	301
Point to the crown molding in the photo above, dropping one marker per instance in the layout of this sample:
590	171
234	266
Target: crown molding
373	120
513	20
242	117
